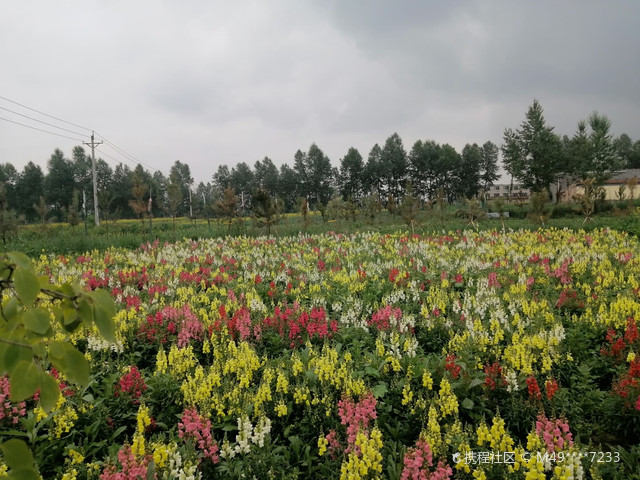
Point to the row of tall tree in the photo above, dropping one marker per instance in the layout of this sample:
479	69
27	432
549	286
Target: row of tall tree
533	154
538	157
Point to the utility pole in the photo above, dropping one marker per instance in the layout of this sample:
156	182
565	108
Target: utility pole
93	146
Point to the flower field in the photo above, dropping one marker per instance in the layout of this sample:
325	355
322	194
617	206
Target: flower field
466	355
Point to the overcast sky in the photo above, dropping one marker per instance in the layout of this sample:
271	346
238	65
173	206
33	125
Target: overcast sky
215	82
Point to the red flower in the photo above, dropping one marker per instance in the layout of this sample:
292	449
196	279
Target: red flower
494	377
551	387
452	368
534	389
131	384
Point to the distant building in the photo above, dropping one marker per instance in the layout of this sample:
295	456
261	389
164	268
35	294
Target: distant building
508	192
612	186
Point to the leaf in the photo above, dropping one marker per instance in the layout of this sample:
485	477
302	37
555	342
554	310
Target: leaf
70	361
44	281
372	372
49	392
475	382
25	379
16	454
380	390
77	367
103	312
26	284
20	259
84	310
12	353
105	324
118	432
104	301
28	473
56	353
10	308
467	403
36	320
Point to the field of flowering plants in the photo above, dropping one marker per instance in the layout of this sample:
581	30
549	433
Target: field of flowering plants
466	355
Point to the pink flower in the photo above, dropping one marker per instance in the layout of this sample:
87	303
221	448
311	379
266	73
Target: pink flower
198	429
555	433
131	467
357	416
417	463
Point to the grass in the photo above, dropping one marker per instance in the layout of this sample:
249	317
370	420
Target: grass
62	239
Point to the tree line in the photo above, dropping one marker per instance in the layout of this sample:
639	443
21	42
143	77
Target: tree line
534	155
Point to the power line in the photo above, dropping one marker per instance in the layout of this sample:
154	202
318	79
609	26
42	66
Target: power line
42	113
123	153
40	129
117	149
126	155
40	121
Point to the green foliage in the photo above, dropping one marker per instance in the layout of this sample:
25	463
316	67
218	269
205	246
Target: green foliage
315	176
440	206
8	220
469	178
393	165
499	208
472	210
539	213
73	210
588	198
372	206
532	154
303	208
410	208
174	199
489	165
336	208
351	175
266	210
24	349
41	209
139	205
59	182
591	152
392	207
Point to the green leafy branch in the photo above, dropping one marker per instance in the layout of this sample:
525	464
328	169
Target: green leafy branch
26	345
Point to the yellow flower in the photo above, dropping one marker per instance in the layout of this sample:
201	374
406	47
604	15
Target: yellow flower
282	384
281	409
427	380
137	447
143	419
72	475
447	400
160	454
64	421
322	445
76	457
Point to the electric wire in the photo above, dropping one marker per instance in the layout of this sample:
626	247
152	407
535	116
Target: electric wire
123	153
40	121
45	114
120	151
116	148
40	129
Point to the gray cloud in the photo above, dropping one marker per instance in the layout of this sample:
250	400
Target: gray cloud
214	82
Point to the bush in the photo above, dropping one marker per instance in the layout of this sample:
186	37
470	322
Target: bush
563	210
